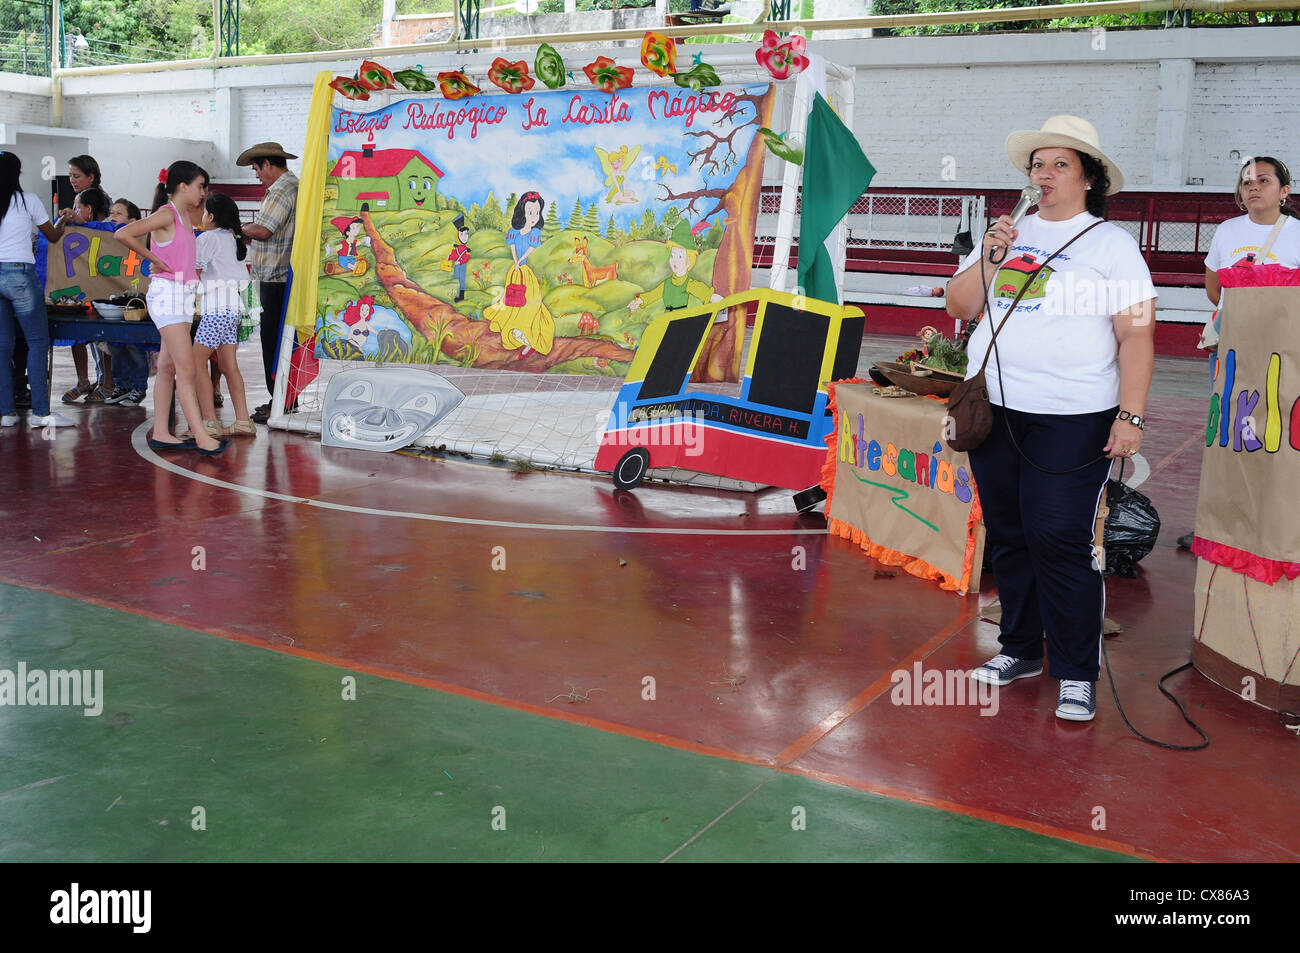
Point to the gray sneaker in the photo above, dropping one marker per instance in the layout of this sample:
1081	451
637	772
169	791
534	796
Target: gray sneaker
133	398
1004	669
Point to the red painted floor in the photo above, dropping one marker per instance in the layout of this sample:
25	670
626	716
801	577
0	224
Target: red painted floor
750	656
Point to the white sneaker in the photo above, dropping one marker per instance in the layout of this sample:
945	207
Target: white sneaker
9	420
50	420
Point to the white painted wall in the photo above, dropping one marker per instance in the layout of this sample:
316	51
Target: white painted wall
918	99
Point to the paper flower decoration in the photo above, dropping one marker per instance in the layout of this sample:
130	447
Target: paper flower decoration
373	76
415	80
788	149
659	53
456	85
512	77
698	77
549	66
607	76
782	59
350	88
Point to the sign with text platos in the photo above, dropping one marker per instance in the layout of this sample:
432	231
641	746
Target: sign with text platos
536	232
90	264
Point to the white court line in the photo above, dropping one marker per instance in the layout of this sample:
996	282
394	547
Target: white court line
139	441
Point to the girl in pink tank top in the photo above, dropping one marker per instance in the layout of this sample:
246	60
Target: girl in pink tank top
177	255
172	280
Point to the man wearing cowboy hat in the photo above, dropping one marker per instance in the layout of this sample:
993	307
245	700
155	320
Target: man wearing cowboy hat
1074	305
271	235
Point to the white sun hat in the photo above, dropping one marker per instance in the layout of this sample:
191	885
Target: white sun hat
1069	132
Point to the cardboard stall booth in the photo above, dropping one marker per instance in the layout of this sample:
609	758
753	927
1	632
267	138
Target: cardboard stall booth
894	487
1247	621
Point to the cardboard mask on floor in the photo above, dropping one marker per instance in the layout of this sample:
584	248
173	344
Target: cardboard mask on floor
384	408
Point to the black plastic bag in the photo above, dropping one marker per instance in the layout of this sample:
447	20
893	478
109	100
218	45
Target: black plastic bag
963	243
1131	528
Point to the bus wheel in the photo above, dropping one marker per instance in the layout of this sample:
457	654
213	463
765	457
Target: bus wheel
805	500
631	468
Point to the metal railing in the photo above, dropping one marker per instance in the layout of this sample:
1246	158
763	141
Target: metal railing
914	231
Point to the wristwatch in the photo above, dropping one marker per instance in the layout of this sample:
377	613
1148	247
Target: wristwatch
1135	419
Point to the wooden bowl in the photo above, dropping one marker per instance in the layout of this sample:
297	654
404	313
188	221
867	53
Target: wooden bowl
937	383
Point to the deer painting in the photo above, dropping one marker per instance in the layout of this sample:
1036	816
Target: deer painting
591	274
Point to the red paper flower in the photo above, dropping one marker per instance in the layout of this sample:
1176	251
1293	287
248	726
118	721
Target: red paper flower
782	59
456	85
607	76
373	76
659	53
350	88
512	77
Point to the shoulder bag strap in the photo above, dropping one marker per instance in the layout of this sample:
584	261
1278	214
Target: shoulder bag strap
1272	237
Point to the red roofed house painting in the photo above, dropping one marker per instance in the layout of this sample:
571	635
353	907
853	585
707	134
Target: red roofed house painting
390	180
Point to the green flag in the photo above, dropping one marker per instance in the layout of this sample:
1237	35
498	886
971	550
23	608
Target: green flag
835	173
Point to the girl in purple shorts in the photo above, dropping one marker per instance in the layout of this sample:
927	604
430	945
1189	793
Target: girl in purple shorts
221	252
171	300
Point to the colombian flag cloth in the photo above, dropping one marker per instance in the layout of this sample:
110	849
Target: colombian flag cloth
303	369
835	173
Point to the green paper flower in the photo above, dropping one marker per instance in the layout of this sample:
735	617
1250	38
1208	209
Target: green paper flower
415	80
698	77
549	66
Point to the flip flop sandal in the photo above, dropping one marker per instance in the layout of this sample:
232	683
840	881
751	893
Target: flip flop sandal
74	394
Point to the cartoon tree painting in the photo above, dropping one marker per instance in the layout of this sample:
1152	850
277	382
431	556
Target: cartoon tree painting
716	155
458	335
551	226
575	217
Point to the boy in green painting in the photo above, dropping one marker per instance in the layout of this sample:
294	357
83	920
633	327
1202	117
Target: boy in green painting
677	289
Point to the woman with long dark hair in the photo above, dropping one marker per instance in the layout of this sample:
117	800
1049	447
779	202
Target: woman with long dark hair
171	300
22	299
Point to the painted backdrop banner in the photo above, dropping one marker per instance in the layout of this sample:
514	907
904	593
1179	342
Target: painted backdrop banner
537	232
1246	515
899	491
88	263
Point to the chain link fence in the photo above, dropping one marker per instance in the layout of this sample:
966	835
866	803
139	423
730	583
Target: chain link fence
25	37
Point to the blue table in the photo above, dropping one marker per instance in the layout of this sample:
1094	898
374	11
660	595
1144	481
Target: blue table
90	328
82	328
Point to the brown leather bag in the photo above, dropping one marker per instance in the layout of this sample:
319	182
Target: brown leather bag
970	412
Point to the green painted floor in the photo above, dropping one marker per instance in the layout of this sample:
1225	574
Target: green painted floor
285	769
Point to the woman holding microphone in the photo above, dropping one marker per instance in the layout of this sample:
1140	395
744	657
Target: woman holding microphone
1068	379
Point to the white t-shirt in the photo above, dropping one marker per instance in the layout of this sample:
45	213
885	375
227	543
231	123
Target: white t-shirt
1058	351
25	213
224	276
1238	238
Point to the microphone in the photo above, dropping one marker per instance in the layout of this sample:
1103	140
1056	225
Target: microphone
1030	195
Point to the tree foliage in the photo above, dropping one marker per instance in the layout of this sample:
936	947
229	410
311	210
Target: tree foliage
904	7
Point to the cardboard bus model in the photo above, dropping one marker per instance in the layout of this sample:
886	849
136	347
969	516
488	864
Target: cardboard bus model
774	433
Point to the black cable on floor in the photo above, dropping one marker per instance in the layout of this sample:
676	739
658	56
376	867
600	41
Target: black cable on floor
1161	685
